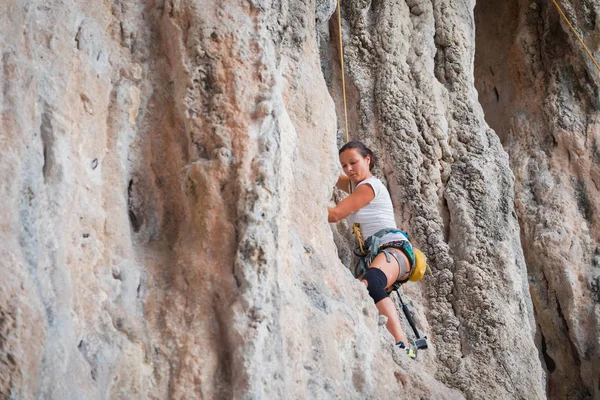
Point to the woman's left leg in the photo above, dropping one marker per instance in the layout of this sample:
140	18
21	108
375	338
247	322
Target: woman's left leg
385	305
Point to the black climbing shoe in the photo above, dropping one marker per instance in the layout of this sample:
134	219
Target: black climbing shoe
409	352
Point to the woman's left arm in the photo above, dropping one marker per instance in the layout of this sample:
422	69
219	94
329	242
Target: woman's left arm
357	200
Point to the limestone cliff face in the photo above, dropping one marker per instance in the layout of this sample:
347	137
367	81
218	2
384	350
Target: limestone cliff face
539	91
412	97
165	171
166	168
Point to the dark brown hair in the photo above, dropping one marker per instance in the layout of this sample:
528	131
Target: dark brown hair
362	149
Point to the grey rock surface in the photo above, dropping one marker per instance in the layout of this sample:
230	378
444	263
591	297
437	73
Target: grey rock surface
539	91
412	98
165	172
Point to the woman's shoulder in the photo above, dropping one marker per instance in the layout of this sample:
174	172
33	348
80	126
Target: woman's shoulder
371	181
375	183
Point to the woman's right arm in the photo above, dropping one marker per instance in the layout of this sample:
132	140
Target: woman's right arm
357	200
343	183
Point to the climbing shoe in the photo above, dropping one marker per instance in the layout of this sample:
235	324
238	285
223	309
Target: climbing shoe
409	352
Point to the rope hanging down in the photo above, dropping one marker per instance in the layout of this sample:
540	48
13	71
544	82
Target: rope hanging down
576	35
342	65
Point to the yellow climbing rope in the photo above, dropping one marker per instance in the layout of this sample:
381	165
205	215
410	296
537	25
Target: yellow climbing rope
576	35
343	78
342	65
359	238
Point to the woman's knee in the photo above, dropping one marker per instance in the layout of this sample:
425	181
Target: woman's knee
376	281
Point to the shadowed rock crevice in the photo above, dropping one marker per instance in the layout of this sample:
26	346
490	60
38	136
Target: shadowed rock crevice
550	363
539	93
47	135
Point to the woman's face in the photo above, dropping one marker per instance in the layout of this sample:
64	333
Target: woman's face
356	167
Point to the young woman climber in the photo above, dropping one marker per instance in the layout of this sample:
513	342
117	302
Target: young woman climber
369	205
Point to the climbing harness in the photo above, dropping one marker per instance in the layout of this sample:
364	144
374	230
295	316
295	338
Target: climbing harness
560	11
366	251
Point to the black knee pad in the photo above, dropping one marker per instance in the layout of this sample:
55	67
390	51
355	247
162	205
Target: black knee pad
377	281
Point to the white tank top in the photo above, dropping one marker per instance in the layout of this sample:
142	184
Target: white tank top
377	214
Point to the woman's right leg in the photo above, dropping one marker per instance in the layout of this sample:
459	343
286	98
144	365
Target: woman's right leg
387	308
385	305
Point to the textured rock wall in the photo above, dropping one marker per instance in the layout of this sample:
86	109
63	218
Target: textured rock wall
412	98
540	94
166	168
